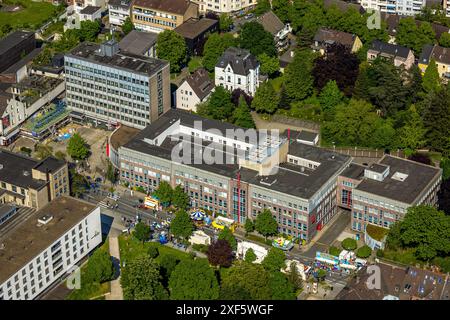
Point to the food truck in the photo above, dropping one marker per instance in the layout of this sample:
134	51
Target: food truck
151	203
222	222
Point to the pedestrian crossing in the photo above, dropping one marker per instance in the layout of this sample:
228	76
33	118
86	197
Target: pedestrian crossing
103	204
21	215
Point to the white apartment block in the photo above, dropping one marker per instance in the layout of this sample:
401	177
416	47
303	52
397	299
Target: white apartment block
46	246
237	69
224	6
401	7
119	11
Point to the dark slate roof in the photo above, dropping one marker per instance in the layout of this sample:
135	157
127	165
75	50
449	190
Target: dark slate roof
307	135
343	5
90	10
438	53
193	28
50	164
138	42
241	61
14	39
331	36
377	167
419	176
17	170
270	22
425	56
390	49
19	64
200	82
354	171
171	6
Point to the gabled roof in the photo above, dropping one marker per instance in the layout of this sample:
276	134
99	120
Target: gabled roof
138	42
192	28
331	36
240	60
270	22
438	53
200	82
390	49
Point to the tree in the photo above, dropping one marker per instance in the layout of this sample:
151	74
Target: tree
111	173
364	252
43	151
164	193
436	119
182	226
89	30
167	264
254	38
78	183
236	95
218	106
60	155
329	98
349	244
141	232
214	48
250	256
334	251
411	36
225	22
227	235
77	147
421	158
100	267
431	80
281	288
140	280
242	116
265	224
249	226
266	99
282	9
171	46
220	253
269	65
193	280
127	26
284	102
444	40
294	277
245	281
275	260
153	252
262	7
412	134
338	64
298	78
179	198
444	196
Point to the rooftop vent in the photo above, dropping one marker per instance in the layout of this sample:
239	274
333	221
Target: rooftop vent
45	219
399	176
26	173
1	166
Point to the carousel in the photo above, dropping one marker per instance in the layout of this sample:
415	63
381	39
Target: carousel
198	215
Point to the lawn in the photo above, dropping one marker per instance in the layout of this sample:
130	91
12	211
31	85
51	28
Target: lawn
33	14
195	63
54	28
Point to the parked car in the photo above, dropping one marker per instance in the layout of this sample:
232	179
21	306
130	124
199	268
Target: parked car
249	16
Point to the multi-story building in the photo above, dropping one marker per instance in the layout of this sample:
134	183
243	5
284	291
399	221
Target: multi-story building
45	246
195	33
400	7
277	28
295	181
15	46
25	99
381	193
79	5
108	86
31	183
195	89
119	11
440	55
325	37
160	15
225	6
399	55
139	42
237	69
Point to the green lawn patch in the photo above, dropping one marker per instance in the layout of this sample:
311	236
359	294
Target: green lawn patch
308	109
56	27
194	64
376	232
402	256
259	239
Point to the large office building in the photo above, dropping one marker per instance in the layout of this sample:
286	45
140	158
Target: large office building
46	246
31	183
106	85
297	182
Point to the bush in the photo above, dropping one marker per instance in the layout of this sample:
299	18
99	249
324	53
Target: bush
364	252
26	150
349	244
443	263
334	251
380	253
200	247
152	252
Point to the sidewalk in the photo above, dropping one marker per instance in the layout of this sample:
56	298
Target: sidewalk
116	288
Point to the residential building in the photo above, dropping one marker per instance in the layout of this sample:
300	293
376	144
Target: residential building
26	98
382	192
344	6
140	43
14	47
31	183
225	6
160	15
79	5
237	69
46	246
277	28
196	88
440	55
105	85
399	55
400	7
296	182
326	37
195	32
119	11
287	57
90	13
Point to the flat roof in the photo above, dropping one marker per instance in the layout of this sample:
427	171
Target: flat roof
377	167
307	135
50	164
122	135
13	39
90	10
354	171
29	239
418	177
122	60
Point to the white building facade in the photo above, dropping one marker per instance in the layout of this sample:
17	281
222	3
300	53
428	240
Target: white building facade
119	11
401	7
225	6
